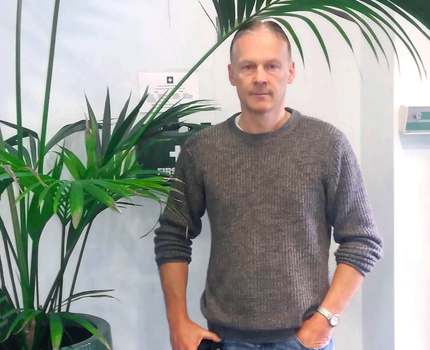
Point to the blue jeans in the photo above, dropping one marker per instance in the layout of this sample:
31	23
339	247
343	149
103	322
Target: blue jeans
290	344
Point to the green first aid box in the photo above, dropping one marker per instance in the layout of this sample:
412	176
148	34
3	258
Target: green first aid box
161	151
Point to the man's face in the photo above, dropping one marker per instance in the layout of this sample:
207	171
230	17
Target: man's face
260	70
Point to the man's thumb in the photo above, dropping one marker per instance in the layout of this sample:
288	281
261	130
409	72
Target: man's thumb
211	336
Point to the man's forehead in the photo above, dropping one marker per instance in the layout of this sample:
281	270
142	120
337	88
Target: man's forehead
257	34
248	49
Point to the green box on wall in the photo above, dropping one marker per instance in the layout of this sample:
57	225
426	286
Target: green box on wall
417	120
161	151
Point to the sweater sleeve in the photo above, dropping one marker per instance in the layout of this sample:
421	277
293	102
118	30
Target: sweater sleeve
181	219
349	212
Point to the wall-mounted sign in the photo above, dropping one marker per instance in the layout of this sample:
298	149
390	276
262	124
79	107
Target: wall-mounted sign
159	83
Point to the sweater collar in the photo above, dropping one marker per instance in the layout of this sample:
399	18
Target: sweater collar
285	128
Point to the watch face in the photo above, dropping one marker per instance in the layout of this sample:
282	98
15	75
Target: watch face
334	321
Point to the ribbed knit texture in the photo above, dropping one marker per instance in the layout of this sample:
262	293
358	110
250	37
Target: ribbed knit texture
272	201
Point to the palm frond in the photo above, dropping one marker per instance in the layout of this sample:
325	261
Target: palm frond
231	15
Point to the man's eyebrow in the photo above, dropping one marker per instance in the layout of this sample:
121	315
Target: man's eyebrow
246	62
274	60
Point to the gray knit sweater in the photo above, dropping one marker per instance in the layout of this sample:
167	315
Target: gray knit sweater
273	200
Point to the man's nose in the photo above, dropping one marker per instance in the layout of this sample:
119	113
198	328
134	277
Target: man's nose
260	75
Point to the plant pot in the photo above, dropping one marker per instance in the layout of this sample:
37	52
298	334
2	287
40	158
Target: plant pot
74	337
92	343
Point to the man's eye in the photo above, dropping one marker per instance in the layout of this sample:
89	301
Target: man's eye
273	66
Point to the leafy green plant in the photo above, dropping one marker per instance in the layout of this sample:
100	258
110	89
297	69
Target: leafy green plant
75	192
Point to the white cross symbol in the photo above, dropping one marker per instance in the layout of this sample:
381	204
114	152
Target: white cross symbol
175	153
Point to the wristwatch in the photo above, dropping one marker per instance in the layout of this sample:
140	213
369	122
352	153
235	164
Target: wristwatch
333	319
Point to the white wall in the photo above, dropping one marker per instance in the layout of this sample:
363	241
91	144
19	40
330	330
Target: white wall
106	43
377	163
412	204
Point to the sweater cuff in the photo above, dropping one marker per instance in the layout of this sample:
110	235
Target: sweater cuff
161	261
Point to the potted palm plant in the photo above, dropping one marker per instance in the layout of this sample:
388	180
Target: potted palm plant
75	192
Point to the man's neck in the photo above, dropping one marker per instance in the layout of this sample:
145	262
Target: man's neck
256	123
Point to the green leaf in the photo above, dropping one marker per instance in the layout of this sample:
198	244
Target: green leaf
317	33
259	4
38	218
91	149
11	159
76	203
62	190
249	7
26	132
231	13
122	114
115	187
373	15
95	296
89	293
58	167
42	144
8	314
73	164
241	6
106	124
66	131
93	125
57	329
33	151
121	129
26	156
220	20
337	26
99	194
22	318
46	191
411	10
294	36
372	33
130	161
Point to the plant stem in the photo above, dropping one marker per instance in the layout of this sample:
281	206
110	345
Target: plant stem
34	266
37	291
53	299
75	276
7	240
55	284
22	261
3	283
63	239
54	287
9	263
48	86
19	107
18	76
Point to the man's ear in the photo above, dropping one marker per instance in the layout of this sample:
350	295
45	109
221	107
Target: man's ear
291	72
231	75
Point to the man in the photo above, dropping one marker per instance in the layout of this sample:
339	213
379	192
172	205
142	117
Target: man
276	185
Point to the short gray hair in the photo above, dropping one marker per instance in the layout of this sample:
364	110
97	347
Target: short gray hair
272	26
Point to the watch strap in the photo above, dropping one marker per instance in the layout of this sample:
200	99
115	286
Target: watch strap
329	315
